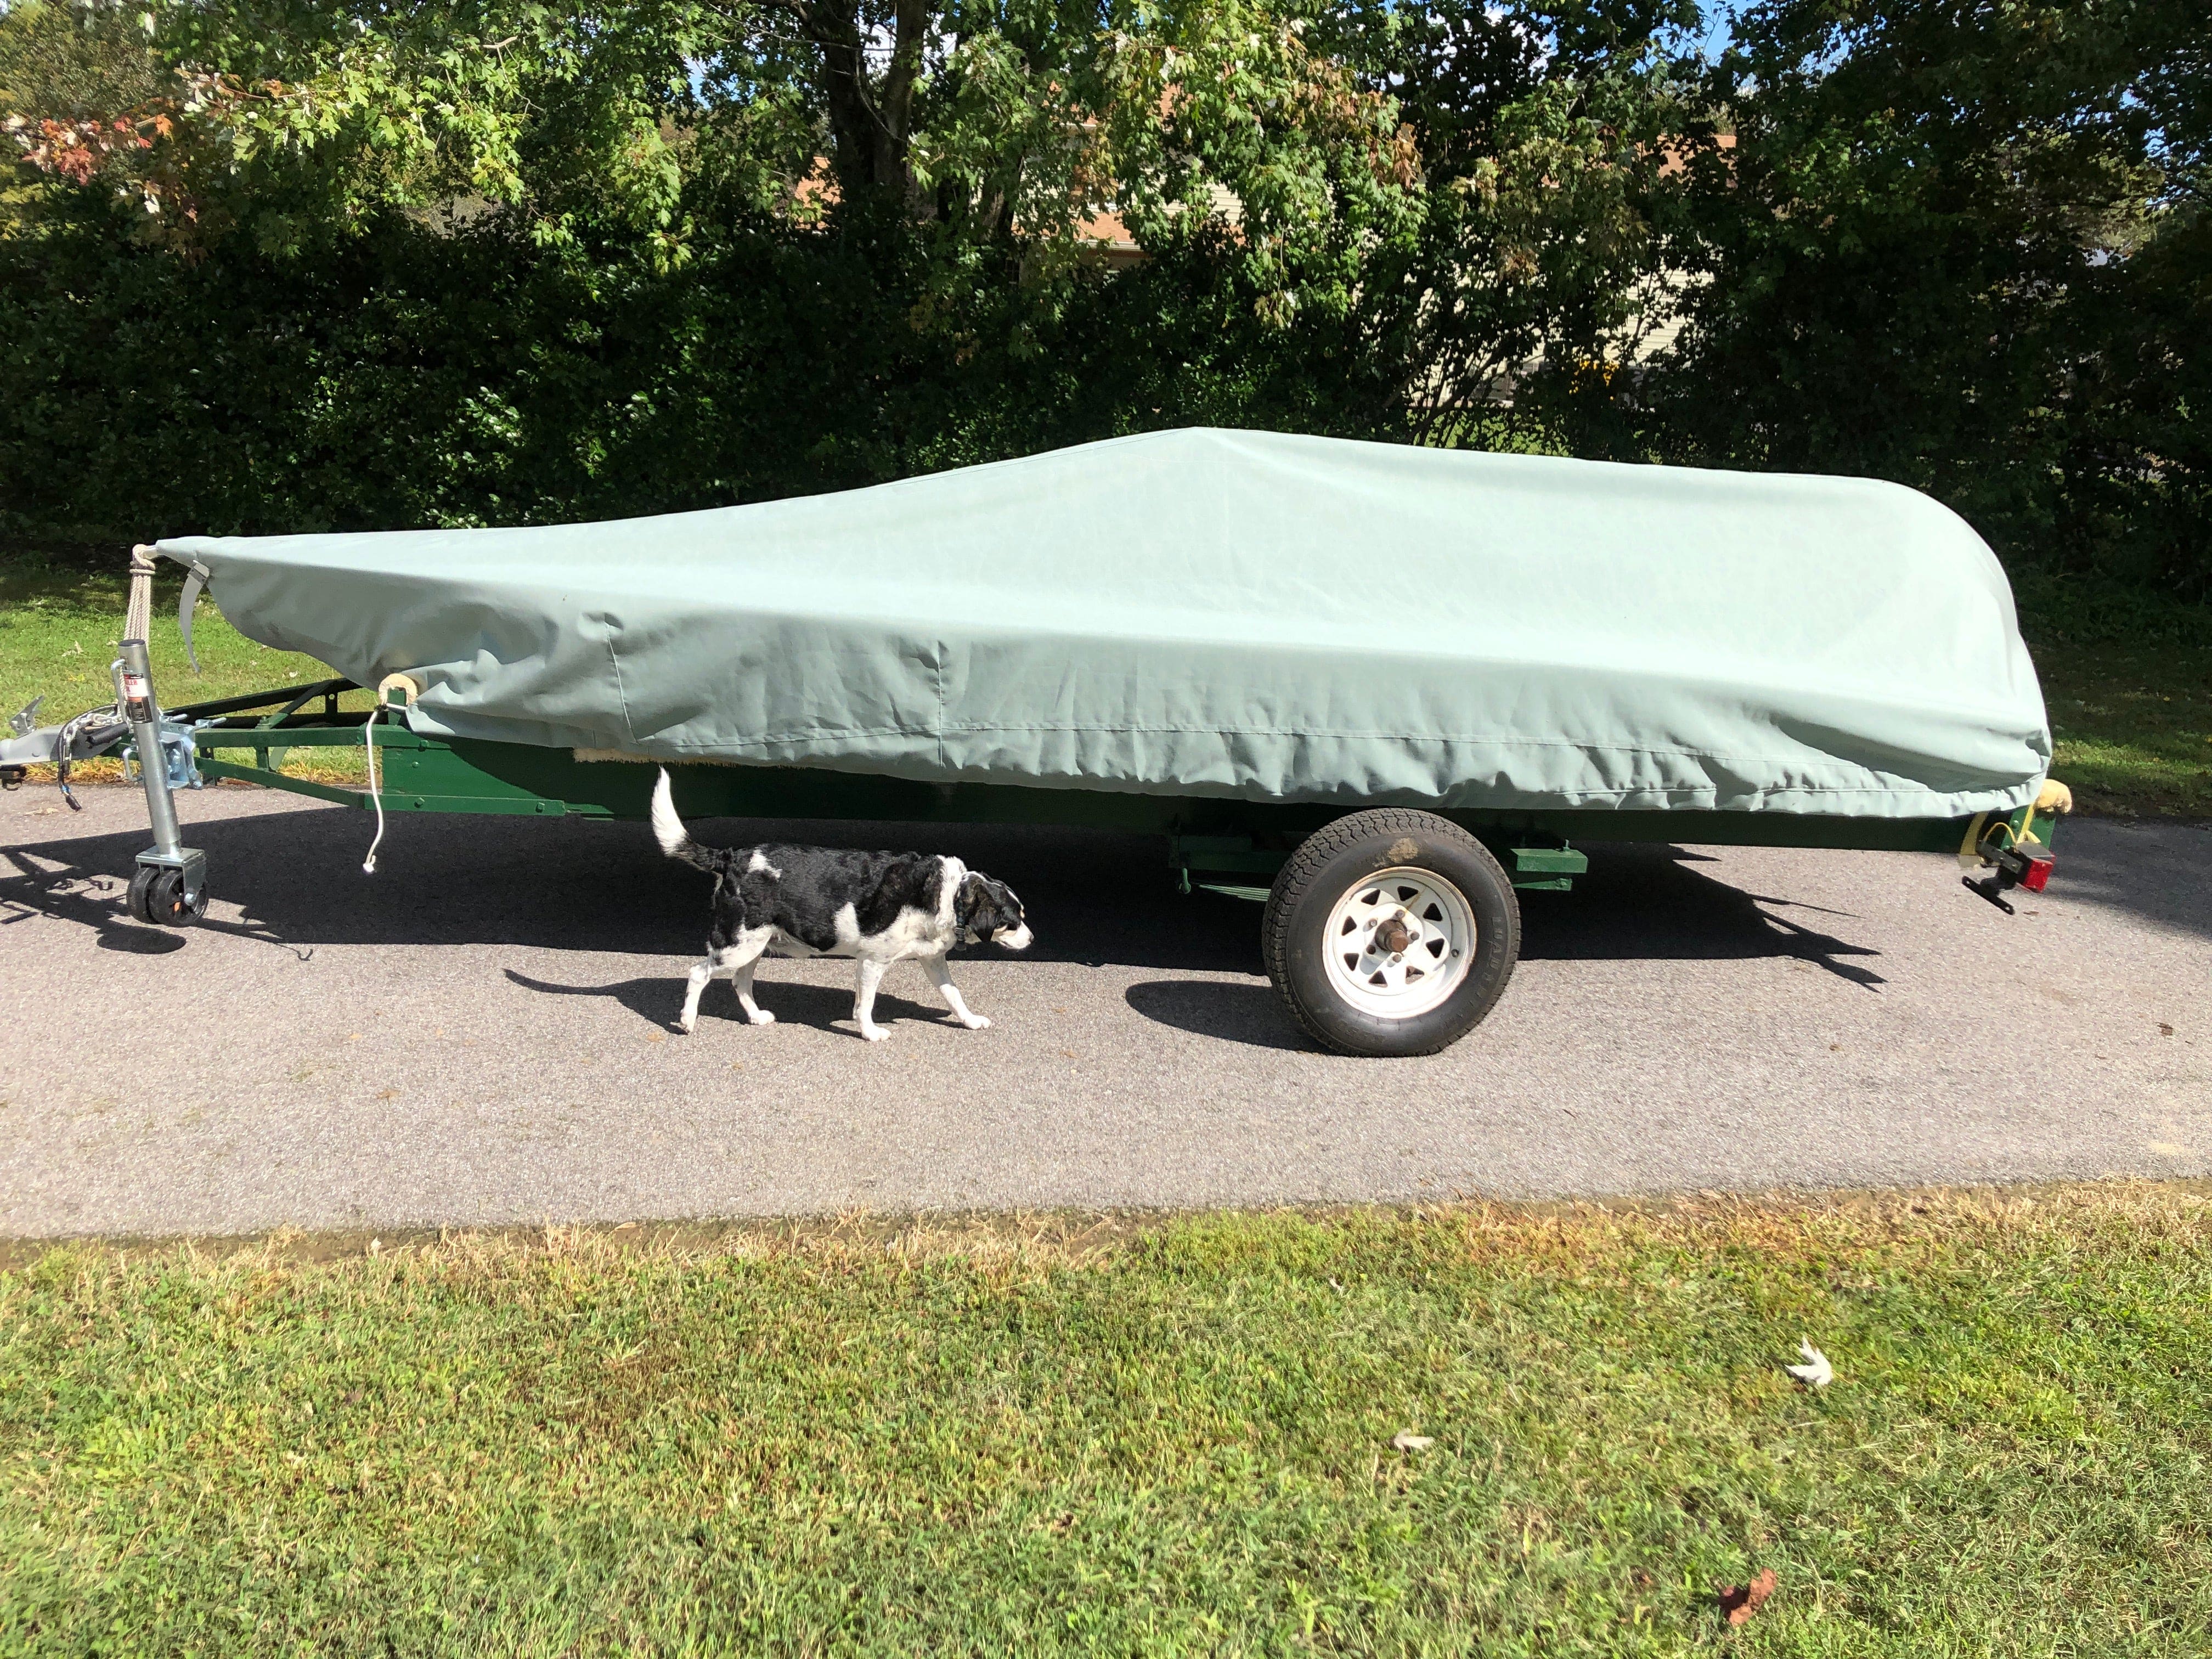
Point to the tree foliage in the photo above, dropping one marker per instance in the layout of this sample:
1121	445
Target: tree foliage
1961	244
271	265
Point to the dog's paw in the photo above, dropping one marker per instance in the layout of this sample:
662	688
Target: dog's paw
761	1016
685	1026
976	1022
874	1033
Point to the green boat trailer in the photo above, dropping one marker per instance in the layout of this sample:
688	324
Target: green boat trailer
1387	930
1392	881
1205	836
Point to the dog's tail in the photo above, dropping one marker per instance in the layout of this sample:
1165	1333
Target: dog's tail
668	830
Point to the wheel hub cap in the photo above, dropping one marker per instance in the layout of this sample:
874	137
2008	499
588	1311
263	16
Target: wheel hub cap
1399	943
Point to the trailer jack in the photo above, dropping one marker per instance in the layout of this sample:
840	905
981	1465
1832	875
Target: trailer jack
170	886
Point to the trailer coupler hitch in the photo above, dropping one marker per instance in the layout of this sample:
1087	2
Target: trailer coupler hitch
2014	849
2015	867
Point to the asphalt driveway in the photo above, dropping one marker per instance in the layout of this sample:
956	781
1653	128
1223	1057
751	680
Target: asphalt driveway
481	1033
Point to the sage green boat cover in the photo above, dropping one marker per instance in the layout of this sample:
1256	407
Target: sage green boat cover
1226	613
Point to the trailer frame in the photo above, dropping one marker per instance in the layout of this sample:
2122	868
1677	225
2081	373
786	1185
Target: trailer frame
1206	835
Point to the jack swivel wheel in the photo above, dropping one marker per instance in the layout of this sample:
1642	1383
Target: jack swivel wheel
161	895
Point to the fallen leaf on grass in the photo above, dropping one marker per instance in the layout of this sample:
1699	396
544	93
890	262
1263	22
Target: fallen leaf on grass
1815	1372
1408	1440
1739	1601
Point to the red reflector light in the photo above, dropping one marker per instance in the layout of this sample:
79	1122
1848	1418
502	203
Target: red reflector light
2037	875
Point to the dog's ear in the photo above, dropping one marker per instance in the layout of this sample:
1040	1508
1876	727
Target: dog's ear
972	904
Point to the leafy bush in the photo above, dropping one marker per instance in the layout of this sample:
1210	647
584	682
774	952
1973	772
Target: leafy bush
1964	247
290	266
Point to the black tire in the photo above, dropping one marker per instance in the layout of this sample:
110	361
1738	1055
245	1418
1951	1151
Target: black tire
158	895
1328	867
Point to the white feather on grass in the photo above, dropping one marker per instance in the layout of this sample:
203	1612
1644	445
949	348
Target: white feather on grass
1815	1372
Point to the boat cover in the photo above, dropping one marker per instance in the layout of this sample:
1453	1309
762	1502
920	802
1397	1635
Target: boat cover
1226	613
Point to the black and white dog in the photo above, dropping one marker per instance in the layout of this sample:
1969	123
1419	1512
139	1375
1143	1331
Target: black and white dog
881	908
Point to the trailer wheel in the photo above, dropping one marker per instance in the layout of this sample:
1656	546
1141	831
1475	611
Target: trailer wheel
158	896
1390	932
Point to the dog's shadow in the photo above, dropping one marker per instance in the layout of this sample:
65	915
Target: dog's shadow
793	1002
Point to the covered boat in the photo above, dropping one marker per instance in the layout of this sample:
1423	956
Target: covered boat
1209	613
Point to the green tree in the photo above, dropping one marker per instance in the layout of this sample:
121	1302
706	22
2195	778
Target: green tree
452	263
271	265
80	91
1960	244
1543	131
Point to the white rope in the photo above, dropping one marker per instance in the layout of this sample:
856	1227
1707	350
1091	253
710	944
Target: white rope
369	742
138	611
375	794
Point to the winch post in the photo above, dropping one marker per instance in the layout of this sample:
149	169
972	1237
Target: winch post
170	886
136	674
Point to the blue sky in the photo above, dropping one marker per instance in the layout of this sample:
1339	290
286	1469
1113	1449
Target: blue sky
1715	34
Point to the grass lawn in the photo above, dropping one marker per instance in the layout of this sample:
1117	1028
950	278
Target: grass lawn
2128	680
1152	1438
2132	725
2130	690
58	624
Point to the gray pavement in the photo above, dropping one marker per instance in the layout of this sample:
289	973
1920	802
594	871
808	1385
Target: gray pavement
480	1033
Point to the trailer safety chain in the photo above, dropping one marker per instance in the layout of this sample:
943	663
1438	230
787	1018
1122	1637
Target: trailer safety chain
62	757
65	738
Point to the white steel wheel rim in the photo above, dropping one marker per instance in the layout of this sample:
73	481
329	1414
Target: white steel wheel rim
1417	910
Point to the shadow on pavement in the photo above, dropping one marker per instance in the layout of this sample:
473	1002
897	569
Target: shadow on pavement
1093	898
660	999
1641	901
1249	1013
2160	872
69	894
577	885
